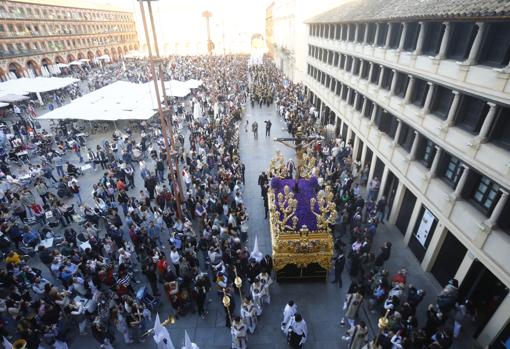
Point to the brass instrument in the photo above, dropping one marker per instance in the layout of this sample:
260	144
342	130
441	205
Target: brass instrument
19	344
170	320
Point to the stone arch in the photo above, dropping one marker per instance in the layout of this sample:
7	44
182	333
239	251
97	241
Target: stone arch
99	53
59	59
32	65
130	47
106	51
70	58
16	68
90	55
81	55
46	62
119	51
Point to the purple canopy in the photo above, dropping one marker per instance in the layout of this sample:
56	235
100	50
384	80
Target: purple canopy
306	191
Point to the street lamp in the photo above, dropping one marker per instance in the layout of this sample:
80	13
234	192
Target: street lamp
239	284
173	162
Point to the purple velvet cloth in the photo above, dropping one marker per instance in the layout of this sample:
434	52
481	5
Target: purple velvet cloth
306	191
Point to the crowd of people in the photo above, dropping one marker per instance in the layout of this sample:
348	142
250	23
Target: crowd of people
77	260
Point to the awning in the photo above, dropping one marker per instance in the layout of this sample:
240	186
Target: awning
193	83
62	65
76	63
2	104
23	86
12	98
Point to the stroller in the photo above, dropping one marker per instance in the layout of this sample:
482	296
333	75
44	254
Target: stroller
143	296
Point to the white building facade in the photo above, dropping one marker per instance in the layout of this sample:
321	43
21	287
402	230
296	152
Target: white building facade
423	93
289	29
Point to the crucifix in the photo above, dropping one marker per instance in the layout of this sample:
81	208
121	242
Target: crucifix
300	144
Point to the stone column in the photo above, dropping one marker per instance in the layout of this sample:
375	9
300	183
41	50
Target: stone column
384	179
487	123
349	92
435	162
393	82
363	155
410	89
365	36
412	220
348	32
349	133
372	168
402	37
453	109
496	213
370	71
444	41
353	65
397	202
377	25
382	71
460	185
428	99
355	147
356	97
388	36
397	133
414	147
356	32
421	38
364	107
374	112
475	49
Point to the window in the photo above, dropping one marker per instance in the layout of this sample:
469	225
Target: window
396	32
383	120
461	38
359	103
356	65
434	32
406	137
486	194
420	90
337	56
500	132
387	77
348	63
381	36
342	61
495	50
376	71
344	32
401	84
352	32
337	32
338	88
393	127
411	39
361	32
371	33
365	69
369	108
471	114
352	95
450	169
441	102
427	151
344	93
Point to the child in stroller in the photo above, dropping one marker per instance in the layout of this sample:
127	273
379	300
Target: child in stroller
143	296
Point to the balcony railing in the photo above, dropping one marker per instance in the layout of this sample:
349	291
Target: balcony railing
56	17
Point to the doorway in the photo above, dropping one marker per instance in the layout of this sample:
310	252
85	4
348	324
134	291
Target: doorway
449	258
486	292
389	191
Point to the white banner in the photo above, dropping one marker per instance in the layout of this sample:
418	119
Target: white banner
425	225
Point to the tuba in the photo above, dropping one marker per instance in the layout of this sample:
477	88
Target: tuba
19	344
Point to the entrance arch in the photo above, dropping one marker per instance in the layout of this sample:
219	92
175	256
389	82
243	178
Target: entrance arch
17	69
90	55
81	55
70	58
32	65
99	53
59	59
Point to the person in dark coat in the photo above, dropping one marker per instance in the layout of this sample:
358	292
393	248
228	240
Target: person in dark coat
339	268
384	255
150	185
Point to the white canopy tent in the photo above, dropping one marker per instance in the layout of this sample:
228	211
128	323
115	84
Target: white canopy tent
62	65
24	86
118	101
176	88
193	83
12	98
2	104
76	63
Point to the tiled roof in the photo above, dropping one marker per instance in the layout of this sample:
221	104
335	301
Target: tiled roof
379	10
84	4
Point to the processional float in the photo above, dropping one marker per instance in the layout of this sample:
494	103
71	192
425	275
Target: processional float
301	215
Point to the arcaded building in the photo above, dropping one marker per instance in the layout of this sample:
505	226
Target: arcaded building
36	33
422	90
